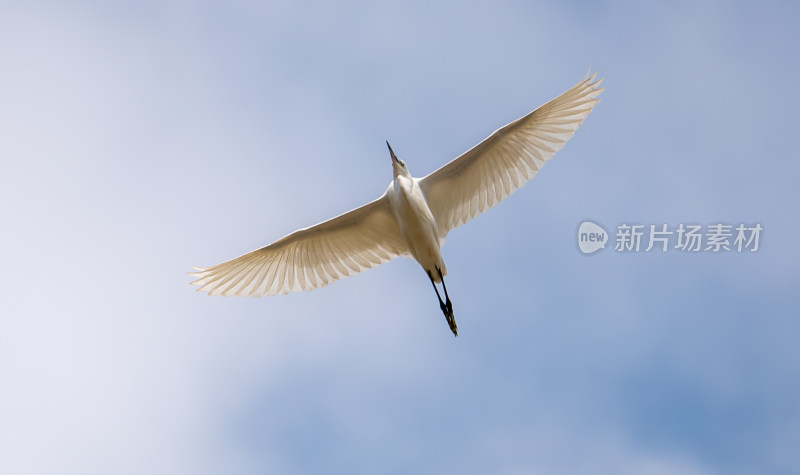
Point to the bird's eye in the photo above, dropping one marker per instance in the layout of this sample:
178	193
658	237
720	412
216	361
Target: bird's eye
403	163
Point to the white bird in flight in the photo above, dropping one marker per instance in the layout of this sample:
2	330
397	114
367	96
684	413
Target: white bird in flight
414	215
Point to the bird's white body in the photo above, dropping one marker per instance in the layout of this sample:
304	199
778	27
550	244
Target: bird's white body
417	224
414	215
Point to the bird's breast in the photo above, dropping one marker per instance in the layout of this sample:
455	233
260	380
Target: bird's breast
417	224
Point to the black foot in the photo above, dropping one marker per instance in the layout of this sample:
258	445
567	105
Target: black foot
447	310
453	327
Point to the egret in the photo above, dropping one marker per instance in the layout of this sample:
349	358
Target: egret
414	215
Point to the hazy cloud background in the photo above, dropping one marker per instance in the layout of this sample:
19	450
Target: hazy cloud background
138	138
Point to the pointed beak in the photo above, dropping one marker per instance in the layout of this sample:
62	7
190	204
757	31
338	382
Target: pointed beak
394	157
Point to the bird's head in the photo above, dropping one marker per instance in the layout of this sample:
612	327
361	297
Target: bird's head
398	166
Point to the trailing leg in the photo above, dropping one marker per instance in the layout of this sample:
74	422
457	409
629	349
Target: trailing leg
447	307
447	298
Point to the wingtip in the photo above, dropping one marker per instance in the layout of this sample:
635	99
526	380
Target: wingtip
198	271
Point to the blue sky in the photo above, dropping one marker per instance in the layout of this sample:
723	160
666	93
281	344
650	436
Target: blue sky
139	138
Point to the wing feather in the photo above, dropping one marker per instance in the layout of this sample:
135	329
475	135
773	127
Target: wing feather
507	159
308	264
312	257
296	270
322	278
326	261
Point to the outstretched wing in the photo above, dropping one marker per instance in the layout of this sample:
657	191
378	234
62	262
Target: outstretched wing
501	164
312	257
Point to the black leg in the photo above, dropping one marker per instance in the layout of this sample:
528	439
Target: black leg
441	304
447	308
447	297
